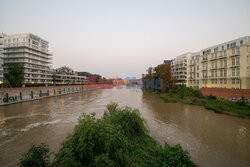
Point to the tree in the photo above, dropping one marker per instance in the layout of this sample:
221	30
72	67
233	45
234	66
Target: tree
37	155
6	84
163	71
15	74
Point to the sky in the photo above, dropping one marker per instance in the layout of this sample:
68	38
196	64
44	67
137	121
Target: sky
122	38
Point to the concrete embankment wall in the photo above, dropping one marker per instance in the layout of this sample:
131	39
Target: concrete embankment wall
14	95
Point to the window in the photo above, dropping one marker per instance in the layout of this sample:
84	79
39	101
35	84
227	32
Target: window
212	81
233	81
225	63
221	63
203	81
215	81
228	46
238	50
215	73
233	61
198	82
238	72
233	72
222	48
225	53
225	73
237	81
225	81
212	73
233	51
191	82
237	60
221	81
197	75
198	67
241	42
221	73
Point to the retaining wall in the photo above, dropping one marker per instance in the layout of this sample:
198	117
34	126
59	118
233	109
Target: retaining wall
225	92
14	95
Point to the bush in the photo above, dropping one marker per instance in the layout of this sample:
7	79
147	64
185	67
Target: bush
170	92
211	97
36	156
118	139
129	120
6	84
242	101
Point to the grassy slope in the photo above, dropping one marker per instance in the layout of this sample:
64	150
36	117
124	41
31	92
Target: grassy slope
217	106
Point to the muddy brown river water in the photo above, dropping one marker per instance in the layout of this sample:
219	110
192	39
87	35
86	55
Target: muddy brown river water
211	139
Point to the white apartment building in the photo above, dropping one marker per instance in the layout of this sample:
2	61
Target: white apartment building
2	35
31	51
179	68
65	75
194	70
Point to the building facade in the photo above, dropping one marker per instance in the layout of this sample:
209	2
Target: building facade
193	70
1	57
65	75
32	52
225	65
167	62
179	68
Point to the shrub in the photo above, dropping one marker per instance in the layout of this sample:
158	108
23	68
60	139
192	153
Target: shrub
129	120
6	84
181	94
36	156
242	101
170	92
118	139
211	97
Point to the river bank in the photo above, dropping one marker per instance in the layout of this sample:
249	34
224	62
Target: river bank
219	105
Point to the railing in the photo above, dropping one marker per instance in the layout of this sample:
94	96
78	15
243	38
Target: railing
234	65
235	54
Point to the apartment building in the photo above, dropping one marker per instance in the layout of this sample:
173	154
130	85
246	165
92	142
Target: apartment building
225	65
1	57
32	52
193	70
179	68
65	75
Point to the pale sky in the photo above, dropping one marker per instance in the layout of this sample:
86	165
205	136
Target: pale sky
124	37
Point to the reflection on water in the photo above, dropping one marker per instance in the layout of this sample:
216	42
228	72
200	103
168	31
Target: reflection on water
212	139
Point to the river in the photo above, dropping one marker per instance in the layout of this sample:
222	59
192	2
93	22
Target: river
211	139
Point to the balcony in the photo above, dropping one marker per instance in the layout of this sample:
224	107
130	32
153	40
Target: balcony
233	76
204	60
204	77
222	67
25	45
213	68
214	58
222	56
235	54
234	65
191	77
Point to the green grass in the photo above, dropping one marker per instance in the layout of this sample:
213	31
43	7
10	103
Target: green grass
118	139
217	106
